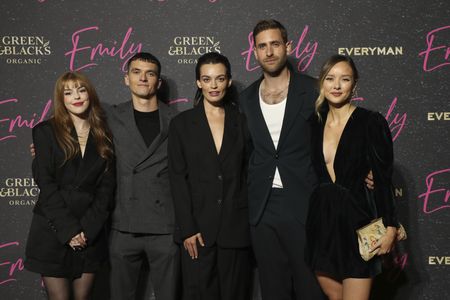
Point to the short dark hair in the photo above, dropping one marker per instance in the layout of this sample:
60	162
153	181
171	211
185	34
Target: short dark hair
264	25
145	56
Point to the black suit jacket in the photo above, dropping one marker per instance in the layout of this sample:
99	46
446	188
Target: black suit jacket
209	190
292	156
143	200
75	196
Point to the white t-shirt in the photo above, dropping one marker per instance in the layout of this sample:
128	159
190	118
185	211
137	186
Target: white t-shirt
274	115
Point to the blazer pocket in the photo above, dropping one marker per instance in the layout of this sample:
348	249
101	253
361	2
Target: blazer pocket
42	243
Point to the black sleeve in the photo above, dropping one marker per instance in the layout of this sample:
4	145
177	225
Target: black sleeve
178	175
96	216
51	202
381	158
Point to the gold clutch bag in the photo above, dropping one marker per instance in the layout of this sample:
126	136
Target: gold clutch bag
369	235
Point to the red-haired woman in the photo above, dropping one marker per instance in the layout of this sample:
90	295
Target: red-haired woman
75	171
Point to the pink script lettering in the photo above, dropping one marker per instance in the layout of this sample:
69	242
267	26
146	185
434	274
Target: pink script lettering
124	52
396	122
436	196
13	267
180	100
304	53
433	50
18	121
398	265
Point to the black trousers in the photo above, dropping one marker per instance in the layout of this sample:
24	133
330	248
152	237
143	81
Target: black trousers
218	273
278	243
127	253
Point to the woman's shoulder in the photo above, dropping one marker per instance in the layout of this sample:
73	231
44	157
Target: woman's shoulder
44	126
373	118
181	120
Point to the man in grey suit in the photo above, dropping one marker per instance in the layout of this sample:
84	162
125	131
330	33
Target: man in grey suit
143	217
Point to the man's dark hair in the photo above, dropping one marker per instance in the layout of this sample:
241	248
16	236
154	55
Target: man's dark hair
264	25
145	56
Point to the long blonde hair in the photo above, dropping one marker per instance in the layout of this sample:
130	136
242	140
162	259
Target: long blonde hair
63	124
326	67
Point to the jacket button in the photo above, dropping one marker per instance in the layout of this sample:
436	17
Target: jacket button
276	156
219	201
219	177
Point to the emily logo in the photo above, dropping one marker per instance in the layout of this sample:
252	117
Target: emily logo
303	50
85	54
437	52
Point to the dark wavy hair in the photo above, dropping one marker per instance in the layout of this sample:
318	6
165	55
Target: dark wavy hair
212	58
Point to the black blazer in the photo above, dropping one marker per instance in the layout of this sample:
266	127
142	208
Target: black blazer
143	200
75	196
209	190
292	155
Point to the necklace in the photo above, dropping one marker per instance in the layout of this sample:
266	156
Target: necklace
83	136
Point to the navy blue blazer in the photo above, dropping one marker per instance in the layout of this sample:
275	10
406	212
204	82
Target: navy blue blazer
292	156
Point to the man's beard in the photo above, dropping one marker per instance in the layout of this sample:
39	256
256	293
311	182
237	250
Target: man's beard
274	72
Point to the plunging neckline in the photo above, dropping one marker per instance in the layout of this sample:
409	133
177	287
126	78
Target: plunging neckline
350	118
217	152
83	153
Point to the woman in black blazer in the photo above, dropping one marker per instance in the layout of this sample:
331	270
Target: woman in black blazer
74	169
207	170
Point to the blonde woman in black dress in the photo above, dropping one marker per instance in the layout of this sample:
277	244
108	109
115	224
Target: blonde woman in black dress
347	142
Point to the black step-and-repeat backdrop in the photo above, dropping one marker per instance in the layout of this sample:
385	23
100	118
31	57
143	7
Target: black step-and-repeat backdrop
401	47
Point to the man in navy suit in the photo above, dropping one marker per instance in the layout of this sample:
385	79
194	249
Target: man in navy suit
281	177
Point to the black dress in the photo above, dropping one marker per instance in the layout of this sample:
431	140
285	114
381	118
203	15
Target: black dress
338	208
75	196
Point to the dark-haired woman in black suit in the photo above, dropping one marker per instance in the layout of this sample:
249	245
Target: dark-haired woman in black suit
207	169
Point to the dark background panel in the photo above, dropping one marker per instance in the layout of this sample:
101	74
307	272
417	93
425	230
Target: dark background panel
407	87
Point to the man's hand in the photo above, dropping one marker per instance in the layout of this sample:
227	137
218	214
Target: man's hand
190	244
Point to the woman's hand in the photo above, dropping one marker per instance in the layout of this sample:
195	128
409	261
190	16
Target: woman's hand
386	242
190	244
78	241
369	181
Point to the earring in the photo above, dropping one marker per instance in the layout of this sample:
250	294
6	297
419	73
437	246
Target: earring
355	93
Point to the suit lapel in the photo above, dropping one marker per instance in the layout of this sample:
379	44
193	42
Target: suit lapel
126	115
88	162
230	132
164	121
200	122
259	123
294	103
